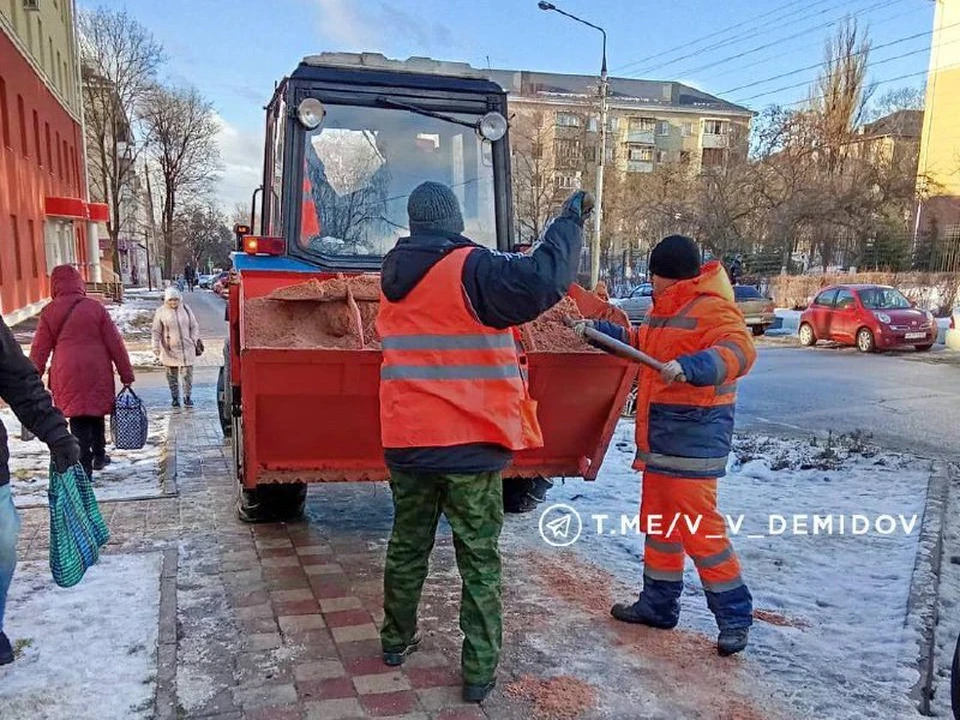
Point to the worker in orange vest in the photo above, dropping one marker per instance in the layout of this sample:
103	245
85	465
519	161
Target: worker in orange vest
684	432
454	406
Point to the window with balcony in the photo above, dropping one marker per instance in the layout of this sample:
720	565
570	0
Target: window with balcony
564	119
640	153
712	157
714	127
641	124
566	150
565	181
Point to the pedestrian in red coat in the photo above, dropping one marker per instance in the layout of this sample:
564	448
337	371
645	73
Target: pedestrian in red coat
86	347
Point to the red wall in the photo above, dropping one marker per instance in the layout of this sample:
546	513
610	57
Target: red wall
26	179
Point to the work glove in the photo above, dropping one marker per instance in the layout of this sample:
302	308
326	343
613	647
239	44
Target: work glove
578	206
672	372
65	453
580	328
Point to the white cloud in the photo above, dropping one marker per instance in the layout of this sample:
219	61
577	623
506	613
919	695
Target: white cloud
241	154
381	27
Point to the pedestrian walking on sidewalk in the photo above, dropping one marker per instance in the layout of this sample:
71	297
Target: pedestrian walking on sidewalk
177	343
684	432
86	347
454	406
21	387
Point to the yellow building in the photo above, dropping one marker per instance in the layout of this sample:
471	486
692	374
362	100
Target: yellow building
940	142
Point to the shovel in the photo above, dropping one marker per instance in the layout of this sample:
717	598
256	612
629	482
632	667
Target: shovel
617	348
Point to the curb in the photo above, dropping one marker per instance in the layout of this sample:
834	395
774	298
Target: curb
922	606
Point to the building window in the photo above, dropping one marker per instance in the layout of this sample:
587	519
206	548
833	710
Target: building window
16	247
712	157
565	181
35	264
593	124
59	157
590	153
640	153
566	149
36	138
66	161
714	127
21	114
567	120
662	156
73	167
613	123
46	130
53	68
684	157
59	71
663	128
43	59
4	114
686	130
641	124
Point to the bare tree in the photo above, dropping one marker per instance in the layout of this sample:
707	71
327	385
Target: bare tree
181	134
535	193
119	59
202	237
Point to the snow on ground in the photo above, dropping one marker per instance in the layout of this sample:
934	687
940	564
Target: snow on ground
135	315
72	664
133	473
834	644
948	621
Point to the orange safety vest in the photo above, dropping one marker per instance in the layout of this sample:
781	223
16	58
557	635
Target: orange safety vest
446	378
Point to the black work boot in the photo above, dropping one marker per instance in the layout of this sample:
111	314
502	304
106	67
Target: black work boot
6	651
477	692
99	463
730	642
188	402
175	403
394	657
640	613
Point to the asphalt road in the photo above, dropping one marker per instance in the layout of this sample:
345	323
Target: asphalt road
906	401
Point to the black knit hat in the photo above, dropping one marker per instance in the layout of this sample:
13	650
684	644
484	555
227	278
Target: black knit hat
676	257
432	207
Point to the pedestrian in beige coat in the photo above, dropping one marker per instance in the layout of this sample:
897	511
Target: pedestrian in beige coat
176	343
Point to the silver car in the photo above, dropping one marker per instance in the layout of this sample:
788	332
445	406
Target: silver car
637	304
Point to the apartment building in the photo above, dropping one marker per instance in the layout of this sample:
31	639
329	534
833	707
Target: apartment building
45	215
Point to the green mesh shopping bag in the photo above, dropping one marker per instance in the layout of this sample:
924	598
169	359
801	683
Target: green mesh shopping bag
77	529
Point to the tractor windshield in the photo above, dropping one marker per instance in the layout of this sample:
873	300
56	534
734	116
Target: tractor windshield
361	165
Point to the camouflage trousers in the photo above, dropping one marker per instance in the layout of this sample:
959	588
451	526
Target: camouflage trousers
473	505
173	380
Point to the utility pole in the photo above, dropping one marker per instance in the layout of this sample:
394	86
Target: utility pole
148	226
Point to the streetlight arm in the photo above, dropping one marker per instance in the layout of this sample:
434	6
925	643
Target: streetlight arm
549	6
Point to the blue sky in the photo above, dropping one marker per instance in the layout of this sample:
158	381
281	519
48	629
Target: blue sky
234	50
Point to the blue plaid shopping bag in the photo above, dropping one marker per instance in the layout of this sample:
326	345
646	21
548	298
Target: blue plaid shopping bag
128	423
77	529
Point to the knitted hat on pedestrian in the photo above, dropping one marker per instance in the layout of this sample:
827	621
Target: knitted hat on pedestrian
676	257
171	293
432	207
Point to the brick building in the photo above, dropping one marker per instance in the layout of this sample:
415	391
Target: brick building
45	218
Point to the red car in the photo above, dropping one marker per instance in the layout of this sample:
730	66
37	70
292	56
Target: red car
872	317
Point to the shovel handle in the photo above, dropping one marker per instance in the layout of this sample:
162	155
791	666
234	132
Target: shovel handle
617	348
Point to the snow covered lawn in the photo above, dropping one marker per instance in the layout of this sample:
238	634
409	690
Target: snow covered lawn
133	473
145	360
89	651
135	316
830	640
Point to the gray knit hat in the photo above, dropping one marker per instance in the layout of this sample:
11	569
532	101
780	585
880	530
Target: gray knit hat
432	207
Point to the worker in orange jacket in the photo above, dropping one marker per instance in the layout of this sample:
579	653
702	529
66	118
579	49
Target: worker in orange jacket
684	432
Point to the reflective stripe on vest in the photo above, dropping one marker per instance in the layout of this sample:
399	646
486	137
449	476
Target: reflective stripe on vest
698	466
681	320
447	379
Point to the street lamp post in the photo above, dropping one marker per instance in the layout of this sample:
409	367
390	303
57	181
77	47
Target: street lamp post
601	156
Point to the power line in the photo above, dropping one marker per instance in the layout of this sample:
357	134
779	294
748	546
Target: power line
764	60
721	31
816	66
778	41
872	65
754	33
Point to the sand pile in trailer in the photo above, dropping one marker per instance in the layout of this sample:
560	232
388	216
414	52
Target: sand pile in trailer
340	313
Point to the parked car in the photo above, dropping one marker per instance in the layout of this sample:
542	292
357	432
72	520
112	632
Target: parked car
872	317
953	330
219	284
205	281
637	304
758	310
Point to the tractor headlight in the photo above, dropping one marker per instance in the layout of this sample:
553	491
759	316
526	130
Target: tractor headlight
492	126
310	113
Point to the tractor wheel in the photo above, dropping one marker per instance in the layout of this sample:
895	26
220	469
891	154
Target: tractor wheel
272	503
223	408
523	495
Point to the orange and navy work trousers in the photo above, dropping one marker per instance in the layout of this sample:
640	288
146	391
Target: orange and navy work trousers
680	518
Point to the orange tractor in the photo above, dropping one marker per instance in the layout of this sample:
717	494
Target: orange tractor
348	137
